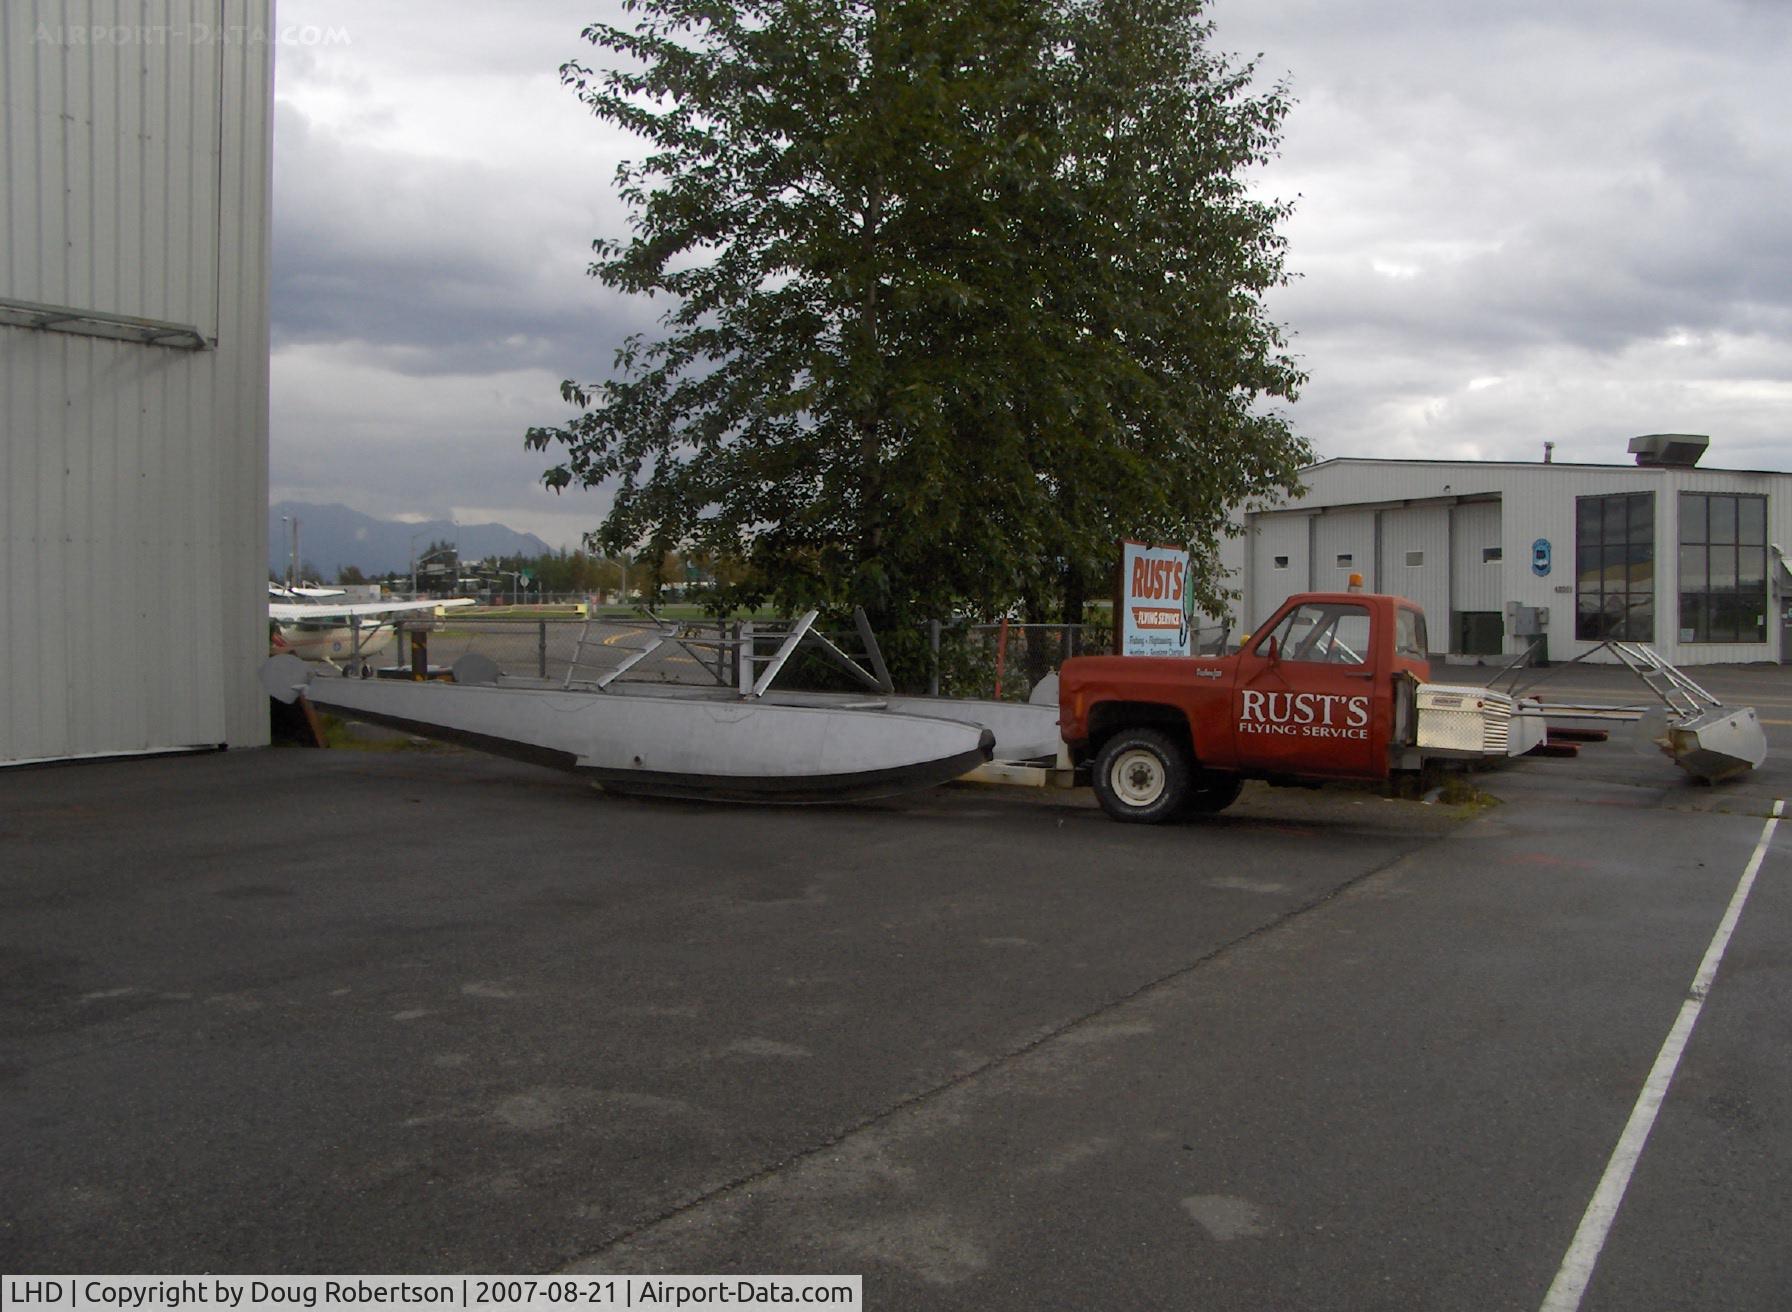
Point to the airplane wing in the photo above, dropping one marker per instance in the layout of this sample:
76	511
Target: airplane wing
287	612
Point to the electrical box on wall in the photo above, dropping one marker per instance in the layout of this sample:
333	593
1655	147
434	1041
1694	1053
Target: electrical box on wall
1526	621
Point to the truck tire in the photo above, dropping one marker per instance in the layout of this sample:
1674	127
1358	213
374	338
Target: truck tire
1212	792
1142	776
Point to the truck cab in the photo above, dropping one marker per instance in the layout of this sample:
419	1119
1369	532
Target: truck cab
1324	690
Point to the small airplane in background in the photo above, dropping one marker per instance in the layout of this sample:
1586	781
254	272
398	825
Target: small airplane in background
328	631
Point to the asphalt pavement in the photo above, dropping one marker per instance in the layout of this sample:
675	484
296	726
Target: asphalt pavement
416	1011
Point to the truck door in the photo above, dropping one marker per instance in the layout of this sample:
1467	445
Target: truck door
1304	701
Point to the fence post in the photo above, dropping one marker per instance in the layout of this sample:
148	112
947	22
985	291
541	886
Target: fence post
933	658
1001	654
541	649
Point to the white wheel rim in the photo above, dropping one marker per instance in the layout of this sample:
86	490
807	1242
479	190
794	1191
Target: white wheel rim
1137	777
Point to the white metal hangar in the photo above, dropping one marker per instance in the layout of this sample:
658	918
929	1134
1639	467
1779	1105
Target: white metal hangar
134	196
1664	551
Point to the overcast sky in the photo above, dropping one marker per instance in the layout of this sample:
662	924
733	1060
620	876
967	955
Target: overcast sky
1516	222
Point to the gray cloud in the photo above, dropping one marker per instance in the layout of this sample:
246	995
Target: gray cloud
1515	223
1533	221
443	265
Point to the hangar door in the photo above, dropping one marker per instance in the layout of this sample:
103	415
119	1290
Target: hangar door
1477	580
1415	563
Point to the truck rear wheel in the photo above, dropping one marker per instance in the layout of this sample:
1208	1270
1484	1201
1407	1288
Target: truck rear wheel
1142	776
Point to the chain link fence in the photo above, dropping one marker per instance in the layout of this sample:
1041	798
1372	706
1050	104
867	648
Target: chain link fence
561	648
1005	661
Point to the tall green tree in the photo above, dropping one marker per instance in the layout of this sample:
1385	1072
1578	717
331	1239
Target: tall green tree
959	292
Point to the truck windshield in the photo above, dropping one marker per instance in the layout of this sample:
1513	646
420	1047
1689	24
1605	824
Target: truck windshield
1332	634
1409	633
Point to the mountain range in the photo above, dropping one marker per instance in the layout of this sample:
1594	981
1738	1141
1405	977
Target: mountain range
333	536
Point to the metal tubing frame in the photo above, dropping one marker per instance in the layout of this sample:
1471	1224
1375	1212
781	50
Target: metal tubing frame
792	641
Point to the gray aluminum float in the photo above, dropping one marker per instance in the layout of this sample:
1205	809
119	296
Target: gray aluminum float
1021	732
679	746
1024	731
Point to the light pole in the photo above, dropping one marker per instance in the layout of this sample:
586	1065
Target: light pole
286	535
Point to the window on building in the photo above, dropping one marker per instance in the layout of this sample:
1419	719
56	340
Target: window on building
1344	560
1415	558
1614	580
1723	567
1281	562
1492	555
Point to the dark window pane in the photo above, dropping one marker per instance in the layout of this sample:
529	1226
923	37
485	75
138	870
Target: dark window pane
1724	613
1753	619
1587	521
1639	619
1586	618
1723	519
1587	571
1641	510
1692	570
1692	617
1751	569
1751	520
1615	518
1693	517
1723	569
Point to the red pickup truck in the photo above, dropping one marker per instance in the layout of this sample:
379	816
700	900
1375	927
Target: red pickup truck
1327	689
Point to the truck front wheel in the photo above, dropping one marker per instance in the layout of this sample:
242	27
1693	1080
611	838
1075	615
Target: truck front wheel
1142	776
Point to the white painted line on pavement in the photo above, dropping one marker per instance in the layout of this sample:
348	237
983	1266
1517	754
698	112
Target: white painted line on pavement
1583	1254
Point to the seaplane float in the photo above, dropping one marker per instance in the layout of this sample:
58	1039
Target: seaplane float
746	742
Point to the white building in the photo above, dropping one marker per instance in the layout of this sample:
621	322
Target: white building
1661	551
134	196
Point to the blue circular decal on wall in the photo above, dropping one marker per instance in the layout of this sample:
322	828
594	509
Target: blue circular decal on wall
1540	557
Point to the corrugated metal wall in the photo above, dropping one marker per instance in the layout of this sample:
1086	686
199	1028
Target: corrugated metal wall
133	478
1343	544
1274	538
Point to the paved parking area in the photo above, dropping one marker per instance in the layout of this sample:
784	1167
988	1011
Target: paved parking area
423	1011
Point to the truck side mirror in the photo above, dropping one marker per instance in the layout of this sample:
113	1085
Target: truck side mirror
1273	650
